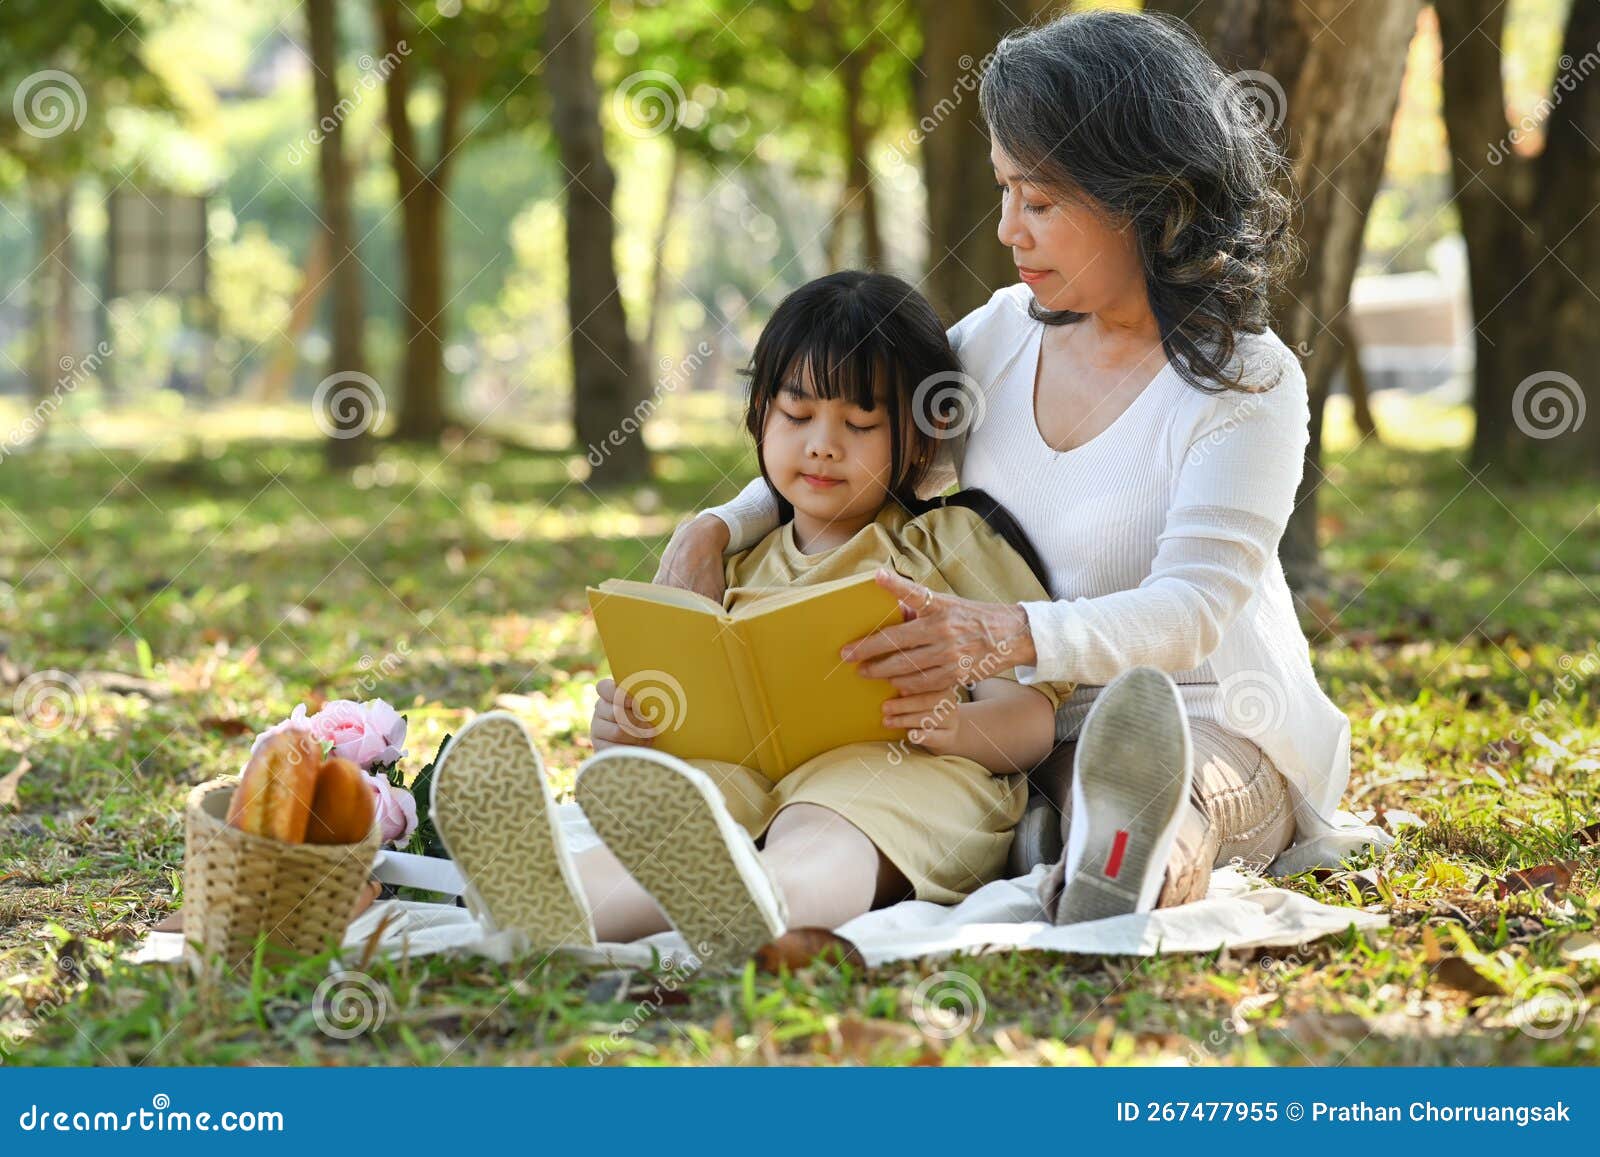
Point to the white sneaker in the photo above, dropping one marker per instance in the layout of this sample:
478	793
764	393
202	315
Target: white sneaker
1131	775
495	813
668	824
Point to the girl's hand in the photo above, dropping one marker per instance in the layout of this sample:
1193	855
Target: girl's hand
616	722
937	732
693	558
946	642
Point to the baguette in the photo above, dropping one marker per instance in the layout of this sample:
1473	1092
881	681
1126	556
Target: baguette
343	809
275	793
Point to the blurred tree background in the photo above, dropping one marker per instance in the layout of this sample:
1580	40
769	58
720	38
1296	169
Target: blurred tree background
545	223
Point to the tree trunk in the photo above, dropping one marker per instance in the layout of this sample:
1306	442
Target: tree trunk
859	199
1355	380
658	264
421	188
1529	226
1338	64
351	440
604	359
51	303
966	263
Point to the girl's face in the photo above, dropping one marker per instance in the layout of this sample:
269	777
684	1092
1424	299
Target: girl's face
831	459
1068	251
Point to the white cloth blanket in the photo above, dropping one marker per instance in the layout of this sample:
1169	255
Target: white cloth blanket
1240	911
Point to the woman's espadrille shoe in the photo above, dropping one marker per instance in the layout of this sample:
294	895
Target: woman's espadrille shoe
497	818
1132	771
667	822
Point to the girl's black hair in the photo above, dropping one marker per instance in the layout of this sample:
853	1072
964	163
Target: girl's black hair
1129	110
856	334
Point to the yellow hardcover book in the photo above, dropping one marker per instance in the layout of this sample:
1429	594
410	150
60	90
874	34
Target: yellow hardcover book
762	685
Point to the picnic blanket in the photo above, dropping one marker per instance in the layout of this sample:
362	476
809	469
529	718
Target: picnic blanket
1241	910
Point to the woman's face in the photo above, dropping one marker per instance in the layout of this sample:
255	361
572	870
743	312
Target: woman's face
829	458
1070	253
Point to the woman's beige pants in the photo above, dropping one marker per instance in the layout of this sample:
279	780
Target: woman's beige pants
1239	809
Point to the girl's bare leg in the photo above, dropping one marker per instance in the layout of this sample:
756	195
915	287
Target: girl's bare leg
622	910
827	869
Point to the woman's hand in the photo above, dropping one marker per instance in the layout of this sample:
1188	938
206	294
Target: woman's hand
693	558
946	642
616	722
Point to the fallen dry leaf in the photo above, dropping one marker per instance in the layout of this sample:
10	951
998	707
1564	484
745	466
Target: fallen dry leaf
798	947
1458	973
1556	876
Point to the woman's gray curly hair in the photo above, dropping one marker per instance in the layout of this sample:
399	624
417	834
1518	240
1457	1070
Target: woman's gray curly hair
1130	110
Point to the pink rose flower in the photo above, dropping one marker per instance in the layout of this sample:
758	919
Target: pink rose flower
397	809
367	734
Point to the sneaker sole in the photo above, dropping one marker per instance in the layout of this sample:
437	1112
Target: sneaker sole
1131	762
659	816
494	812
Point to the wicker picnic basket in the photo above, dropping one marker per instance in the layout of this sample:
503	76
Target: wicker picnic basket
238	886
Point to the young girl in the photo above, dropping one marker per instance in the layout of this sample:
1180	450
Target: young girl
842	410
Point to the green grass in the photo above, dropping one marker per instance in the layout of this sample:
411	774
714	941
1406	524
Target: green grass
225	586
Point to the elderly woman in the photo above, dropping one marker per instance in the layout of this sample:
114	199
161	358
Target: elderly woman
1137	416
